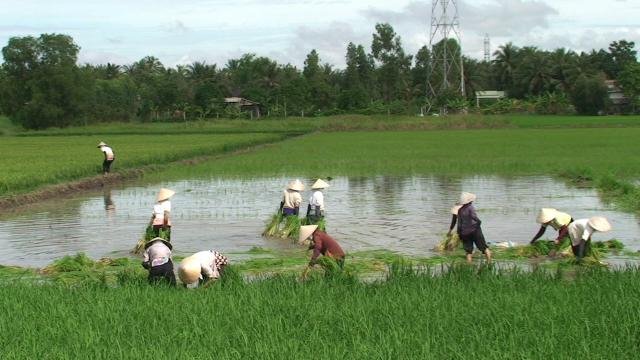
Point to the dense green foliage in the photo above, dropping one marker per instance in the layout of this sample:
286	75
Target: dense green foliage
462	313
42	86
30	162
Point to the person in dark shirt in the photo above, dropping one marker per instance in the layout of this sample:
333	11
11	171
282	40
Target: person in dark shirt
469	227
321	244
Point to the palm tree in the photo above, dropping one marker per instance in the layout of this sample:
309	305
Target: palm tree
505	60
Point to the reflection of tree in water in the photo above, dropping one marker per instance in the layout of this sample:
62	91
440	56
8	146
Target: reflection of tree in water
388	191
446	191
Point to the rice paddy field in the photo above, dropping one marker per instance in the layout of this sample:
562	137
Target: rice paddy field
28	163
384	305
460	314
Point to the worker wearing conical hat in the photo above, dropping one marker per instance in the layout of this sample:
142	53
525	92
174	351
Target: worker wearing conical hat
202	267
321	244
469	228
109	157
556	219
161	216
291	198
580	232
315	209
157	259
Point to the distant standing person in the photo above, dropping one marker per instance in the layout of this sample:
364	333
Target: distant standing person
291	198
556	219
202	268
109	157
161	216
321	244
469	227
315	210
580	232
157	259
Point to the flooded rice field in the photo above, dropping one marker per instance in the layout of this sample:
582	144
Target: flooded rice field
407	215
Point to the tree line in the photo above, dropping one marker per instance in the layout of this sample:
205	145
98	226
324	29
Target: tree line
41	84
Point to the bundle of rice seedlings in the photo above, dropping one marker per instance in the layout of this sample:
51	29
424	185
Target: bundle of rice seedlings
449	243
149	234
291	228
273	226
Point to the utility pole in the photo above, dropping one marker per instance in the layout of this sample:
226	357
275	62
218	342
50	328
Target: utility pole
446	73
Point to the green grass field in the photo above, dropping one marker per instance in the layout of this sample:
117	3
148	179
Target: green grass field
96	310
461	314
447	152
31	162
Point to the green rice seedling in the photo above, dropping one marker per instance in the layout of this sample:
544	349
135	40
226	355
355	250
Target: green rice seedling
273	226
78	262
150	233
449	243
291	228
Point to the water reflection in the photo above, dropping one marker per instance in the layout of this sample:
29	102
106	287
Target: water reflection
408	215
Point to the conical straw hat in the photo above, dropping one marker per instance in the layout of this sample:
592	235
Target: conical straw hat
455	208
466	198
546	215
150	242
599	223
296	185
319	184
164	194
189	270
306	231
101	144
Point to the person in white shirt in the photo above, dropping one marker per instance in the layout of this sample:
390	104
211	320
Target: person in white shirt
291	198
109	157
315	209
201	268
157	259
580	232
161	216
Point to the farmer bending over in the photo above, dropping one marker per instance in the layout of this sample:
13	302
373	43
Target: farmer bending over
321	243
109	156
291	199
580	232
469	227
157	259
556	219
202	268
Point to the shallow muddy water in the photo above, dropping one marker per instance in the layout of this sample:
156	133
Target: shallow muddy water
407	215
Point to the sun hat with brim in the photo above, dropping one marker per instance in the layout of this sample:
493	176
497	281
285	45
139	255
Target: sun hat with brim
306	231
189	270
296	185
466	198
102	143
455	209
150	242
164	194
546	214
599	223
319	184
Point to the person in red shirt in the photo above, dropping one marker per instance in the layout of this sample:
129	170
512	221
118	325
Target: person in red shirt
321	244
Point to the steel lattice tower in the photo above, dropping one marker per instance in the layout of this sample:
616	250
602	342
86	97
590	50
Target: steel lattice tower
487	48
446	72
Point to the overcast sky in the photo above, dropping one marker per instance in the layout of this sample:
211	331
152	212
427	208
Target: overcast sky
184	31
